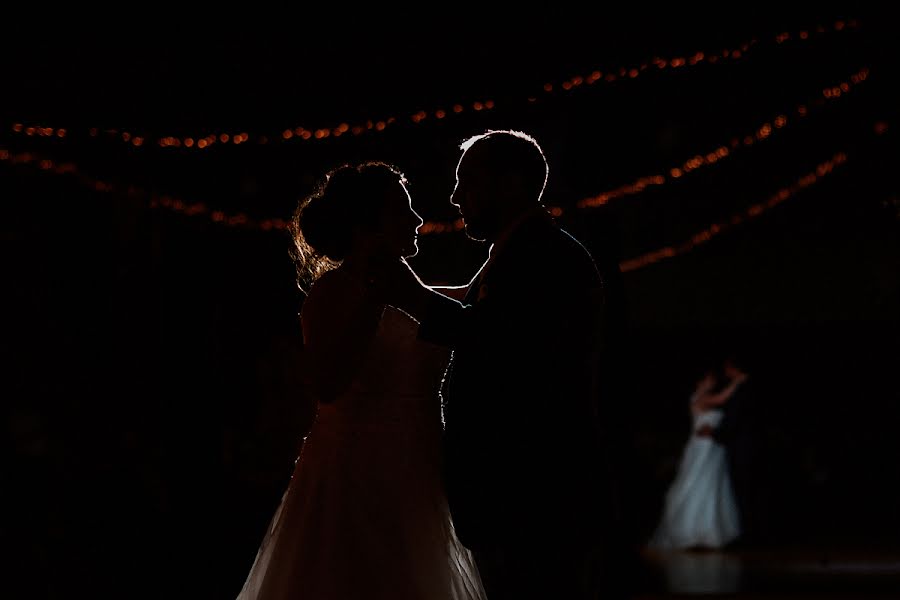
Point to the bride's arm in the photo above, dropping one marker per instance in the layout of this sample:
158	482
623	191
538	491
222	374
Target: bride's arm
457	292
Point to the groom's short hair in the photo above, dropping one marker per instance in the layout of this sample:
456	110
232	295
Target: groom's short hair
513	153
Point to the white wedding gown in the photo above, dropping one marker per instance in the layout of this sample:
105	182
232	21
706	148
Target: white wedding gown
700	508
364	515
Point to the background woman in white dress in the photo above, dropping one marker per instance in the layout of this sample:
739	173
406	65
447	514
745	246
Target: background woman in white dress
700	509
364	514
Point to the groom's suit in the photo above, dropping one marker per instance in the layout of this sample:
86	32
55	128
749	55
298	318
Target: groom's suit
521	447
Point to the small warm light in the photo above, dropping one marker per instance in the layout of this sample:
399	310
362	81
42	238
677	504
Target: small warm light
845	87
802	110
736	54
224	138
804	35
202	143
678	62
380	125
218	216
320	133
440	114
4	154
477	105
548	87
748	140
881	127
610	77
138	141
357	130
287	134
343	127
61	133
46	164
839	25
126	136
188	142
676	172
566	86
633	73
18	127
29	131
595	76
489	104
306	135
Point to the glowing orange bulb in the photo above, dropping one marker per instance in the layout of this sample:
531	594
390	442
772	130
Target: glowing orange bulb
343	127
380	125
566	86
18	127
29	131
440	114
845	87
477	105
61	133
138	141
633	73
188	142
202	143
804	35
548	87
489	104
287	134
224	138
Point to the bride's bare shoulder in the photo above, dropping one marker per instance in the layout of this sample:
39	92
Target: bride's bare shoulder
333	293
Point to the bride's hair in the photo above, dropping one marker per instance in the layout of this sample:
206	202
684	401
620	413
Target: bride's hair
349	198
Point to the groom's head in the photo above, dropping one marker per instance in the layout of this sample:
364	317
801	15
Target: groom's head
500	175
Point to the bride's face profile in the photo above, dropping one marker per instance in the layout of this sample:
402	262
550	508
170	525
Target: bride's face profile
399	224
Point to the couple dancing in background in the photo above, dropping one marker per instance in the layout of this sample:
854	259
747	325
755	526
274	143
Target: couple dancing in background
707	504
455	453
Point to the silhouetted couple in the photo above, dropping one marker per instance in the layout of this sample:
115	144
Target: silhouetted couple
494	492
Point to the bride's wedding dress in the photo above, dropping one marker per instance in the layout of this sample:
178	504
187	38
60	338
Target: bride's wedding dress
700	509
364	515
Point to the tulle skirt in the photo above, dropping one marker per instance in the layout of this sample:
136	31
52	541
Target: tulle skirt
700	507
364	516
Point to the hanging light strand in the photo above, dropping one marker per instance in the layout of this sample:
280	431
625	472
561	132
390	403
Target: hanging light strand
208	140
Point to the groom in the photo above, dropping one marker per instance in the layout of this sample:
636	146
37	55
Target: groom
522	460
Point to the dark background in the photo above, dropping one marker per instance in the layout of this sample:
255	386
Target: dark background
151	413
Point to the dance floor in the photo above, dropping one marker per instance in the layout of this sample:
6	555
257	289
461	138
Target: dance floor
815	572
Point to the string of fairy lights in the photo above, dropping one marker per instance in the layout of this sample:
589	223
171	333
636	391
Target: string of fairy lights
595	78
689	165
175	204
703	236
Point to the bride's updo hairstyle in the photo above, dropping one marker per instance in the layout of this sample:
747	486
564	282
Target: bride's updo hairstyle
348	200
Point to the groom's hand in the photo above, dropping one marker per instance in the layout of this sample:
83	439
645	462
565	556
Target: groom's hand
704	430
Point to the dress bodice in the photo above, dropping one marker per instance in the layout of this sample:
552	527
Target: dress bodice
399	379
710	417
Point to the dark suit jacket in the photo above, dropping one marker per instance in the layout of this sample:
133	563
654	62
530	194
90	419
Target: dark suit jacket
521	447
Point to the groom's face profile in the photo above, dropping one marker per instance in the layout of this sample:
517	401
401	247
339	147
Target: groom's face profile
470	196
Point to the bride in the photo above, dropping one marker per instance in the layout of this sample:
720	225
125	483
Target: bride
364	514
700	510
